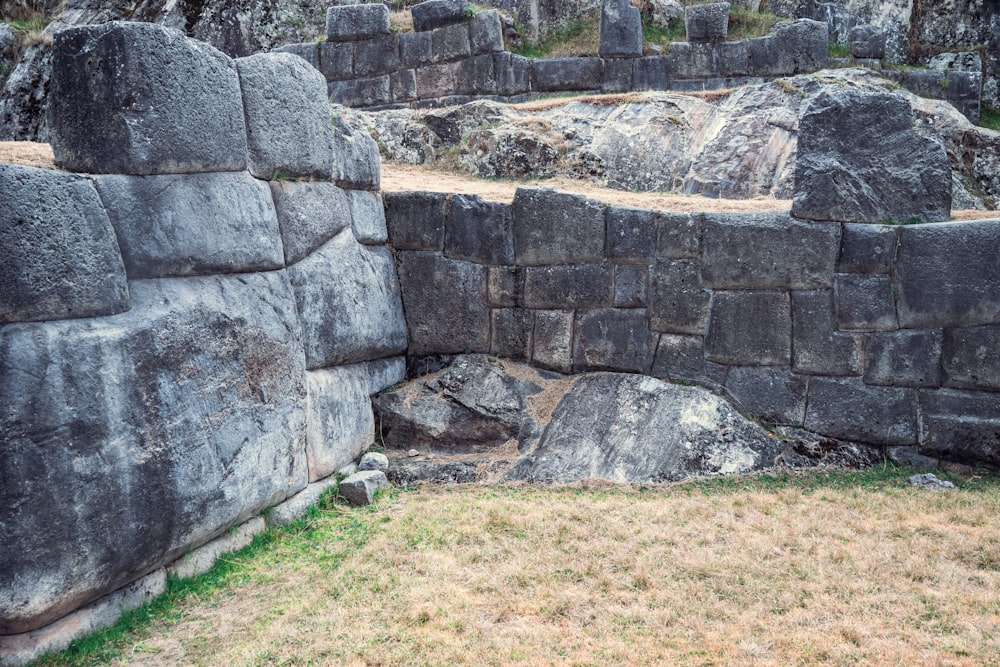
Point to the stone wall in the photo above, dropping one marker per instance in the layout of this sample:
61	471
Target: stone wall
873	333
190	333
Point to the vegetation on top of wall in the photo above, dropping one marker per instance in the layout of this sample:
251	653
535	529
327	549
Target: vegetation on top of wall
577	38
745	24
989	117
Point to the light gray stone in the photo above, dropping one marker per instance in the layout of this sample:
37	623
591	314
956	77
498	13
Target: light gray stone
349	303
556	228
707	22
367	216
362	92
310	214
677	301
58	249
621	29
347	23
908	358
616	339
295	507
432	14
374	461
750	328
929	480
970	358
287	117
336	60
201	559
361	487
308	51
384	373
192	224
356	162
138	98
847	408
339	419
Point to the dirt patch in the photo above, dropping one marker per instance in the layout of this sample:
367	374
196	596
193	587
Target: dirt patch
27	153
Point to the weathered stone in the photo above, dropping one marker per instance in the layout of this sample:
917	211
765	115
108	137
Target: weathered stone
683	358
374	461
436	80
620	29
415	49
867	41
295	507
365	92
750	327
287	117
732	59
349	303
630	428
948	275
367	217
309	215
772	394
192	224
962	89
631	286
616	339
970	358
476	76
616	76
361	487
513	73
864	302
383	373
407	472
339	420
678	235
650	73
445	301
908	358
347	23
138	98
403	86
156	422
677	302
960	426
707	23
486	33
336	60
692	61
478	231
555	74
632	233
929	481
818	348
58	249
556	228
378	55
794	47
838	176
506	286
202	559
568	286
552	340
437	13
867	248
450	43
511	332
308	51
847	408
767	251
416	220
355	156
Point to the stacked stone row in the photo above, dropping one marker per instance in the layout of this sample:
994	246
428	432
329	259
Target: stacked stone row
871	333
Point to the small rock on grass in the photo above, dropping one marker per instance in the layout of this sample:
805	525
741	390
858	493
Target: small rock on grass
361	487
930	481
374	461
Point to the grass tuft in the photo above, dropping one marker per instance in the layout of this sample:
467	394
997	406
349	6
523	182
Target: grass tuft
989	117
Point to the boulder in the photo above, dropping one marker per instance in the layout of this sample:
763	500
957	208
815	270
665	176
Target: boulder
432	14
860	160
666	13
486	33
374	461
138	98
310	214
57	247
339	420
287	117
361	487
620	29
707	23
348	23
867	41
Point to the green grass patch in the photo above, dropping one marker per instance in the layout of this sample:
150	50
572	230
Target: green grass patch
654	34
578	38
836	50
744	24
989	117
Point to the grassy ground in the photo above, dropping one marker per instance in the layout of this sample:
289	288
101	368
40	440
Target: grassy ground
845	568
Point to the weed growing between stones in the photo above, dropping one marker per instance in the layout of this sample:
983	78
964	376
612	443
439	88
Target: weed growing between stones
989	117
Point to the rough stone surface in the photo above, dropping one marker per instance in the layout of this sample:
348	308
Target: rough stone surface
818	348
415	49
555	228
838	175
864	302
970	358
909	358
57	247
846	408
772	394
677	302
568	286
312	213
552	340
379	55
511	333
365	92
750	328
505	287
631	287
682	358
361	487
192	224
336	60
356	162
354	22
367	217
620	29
131	398
137	98
867	248
555	74
960	426
295	507
867	41
287	117
929	480
707	23
416	220
339	420
613	339
432	14
349	303
204	557
632	233
374	461
451	43
794	47
479	231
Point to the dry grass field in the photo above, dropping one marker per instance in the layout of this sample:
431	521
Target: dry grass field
831	569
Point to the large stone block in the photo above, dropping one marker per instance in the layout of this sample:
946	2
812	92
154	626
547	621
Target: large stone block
707	23
948	275
678	235
552	340
445	301
767	251
478	231
631	233
555	74
773	394
682	358
750	328
794	47
847	408
378	55
355	157
692	61
403	86
347	23
450	42
557	228
367	216
677	301
476	76
651	73
416	220
961	426
336	60
867	248
310	214
437	13
864	302
631	288
511	332
620	29
486	33
867	41
308	51
838	176
568	286
58	250
287	116
415	49
367	92
339	419
614	339
512	73
505	286
130	439
138	98
819	349
909	358
971	357
349	303
436	80
196	224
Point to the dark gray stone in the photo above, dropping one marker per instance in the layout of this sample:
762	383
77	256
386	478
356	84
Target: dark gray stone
339	419
309	215
819	349
554	228
478	231
961	426
794	47
678	235
450	43
970	357
864	302
568	286
406	472
552	340
361	487
867	248
445	301
436	80
731	59
131	439
349	303
620	29
355	156
632	233
378	55
336	60
948	275
683	358
196	224
348	23
774	395
692	61
613	339
287	117
308	51
555	74
651	73
403	86
616	76
416	220
847	408
707	23
367	92
511	333
506	286
476	76
486	33
631	286
838	175
58	250
630	428
437	13
867	41
367	217
677	302
750	328
909	358
138	98
415	49
767	251
512	73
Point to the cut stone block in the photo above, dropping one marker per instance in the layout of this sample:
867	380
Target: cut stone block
793	47
651	73
204	557
339	419
707	23
557	228
437	13
614	339
486	33
750	328
308	51
476	76
295	507
772	394
864	302
847	408
435	81
450	43
909	358
555	74
683	358
568	286
415	49
631	286
511	332
620	32
309	215
336	60
819	349
971	357
678	235
677	302
366	92
867	41
367	217
479	231
347	23
962	426
506	286
867	248
513	73
552	340
355	157
416	220
631	233
378	55
361	487
403	86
